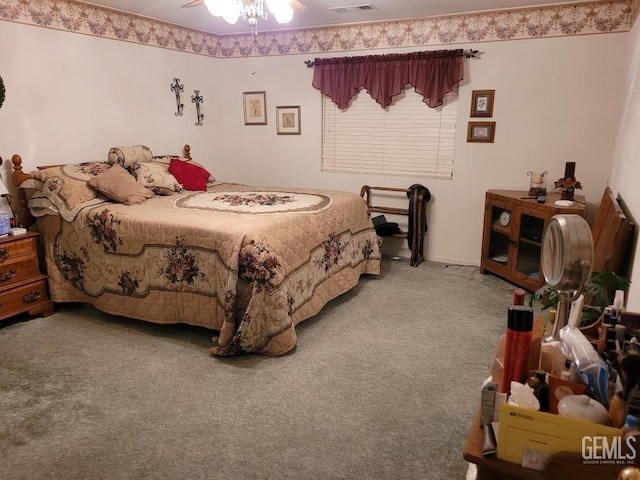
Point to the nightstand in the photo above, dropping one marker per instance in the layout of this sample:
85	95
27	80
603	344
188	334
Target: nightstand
22	285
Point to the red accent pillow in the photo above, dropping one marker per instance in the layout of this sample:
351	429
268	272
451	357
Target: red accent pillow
191	176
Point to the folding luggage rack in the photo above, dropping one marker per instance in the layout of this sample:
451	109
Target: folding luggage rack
416	212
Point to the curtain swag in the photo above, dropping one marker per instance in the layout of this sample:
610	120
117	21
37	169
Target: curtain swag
432	74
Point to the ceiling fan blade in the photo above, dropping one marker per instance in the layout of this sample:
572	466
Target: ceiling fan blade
195	3
297	6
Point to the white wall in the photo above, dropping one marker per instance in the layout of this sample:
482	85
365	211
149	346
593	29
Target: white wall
626	172
70	97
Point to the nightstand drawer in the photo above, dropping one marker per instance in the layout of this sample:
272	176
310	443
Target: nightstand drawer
14	248
25	268
24	297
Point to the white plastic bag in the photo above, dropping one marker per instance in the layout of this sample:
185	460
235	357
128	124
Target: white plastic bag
522	396
591	367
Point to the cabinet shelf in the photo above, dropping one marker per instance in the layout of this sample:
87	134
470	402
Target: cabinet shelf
513	251
530	242
501	229
500	258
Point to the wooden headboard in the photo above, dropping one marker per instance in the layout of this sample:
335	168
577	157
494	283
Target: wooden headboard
612	236
19	205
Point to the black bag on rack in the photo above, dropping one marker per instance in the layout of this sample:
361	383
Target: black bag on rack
384	228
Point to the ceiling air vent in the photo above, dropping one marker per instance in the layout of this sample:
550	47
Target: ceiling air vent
353	8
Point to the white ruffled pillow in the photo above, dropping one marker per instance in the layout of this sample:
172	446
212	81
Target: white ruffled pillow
127	157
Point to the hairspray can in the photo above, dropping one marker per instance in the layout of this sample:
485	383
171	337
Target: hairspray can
517	347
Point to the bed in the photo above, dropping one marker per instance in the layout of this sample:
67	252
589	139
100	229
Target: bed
250	262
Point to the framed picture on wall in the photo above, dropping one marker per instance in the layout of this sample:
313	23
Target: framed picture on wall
255	108
288	120
482	103
481	132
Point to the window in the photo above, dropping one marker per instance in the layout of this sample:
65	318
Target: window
408	138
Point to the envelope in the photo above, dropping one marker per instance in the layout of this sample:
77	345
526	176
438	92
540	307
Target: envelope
528	437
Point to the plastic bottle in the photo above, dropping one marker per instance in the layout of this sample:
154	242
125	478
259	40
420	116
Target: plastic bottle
540	387
518	296
618	303
543	390
548	325
630	425
517	347
534	382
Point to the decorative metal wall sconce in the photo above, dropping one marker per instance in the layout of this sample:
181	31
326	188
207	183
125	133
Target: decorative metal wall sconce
198	100
177	88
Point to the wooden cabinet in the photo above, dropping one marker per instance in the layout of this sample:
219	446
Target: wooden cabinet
512	234
22	285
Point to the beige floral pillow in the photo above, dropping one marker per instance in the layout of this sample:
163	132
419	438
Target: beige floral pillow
66	186
119	185
156	177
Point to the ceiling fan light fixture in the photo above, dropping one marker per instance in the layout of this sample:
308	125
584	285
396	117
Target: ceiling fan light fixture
231	13
281	10
229	10
251	10
215	7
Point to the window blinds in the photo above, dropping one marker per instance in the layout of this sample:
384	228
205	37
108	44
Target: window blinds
407	139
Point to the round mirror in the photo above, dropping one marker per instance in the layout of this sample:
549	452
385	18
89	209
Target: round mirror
567	246
567	257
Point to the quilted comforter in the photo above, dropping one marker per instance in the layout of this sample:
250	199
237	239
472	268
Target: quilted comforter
250	262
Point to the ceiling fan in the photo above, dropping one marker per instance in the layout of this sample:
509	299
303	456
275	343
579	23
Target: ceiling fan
295	4
250	10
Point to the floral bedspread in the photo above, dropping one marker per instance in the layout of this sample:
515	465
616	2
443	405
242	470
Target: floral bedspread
250	262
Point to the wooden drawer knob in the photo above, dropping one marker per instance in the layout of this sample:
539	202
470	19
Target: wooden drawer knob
3	254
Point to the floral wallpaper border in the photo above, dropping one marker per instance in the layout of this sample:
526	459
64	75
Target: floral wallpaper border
549	21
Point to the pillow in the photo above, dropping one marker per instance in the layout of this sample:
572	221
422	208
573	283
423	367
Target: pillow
119	185
127	157
39	205
166	160
190	175
66	186
156	177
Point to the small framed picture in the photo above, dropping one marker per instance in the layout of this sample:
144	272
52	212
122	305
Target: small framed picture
481	132
255	108
288	120
482	103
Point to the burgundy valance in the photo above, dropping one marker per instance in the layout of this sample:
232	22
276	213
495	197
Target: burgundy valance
432	74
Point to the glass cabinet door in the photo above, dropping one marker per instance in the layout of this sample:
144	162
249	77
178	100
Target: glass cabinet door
530	245
500	236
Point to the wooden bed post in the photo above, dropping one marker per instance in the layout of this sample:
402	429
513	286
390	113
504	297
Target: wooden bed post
20	205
